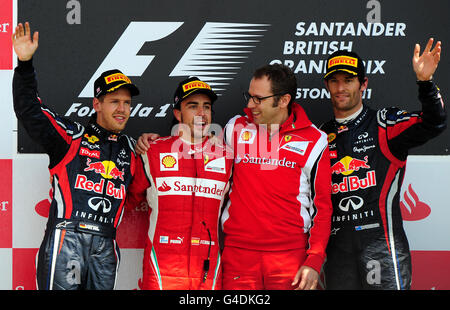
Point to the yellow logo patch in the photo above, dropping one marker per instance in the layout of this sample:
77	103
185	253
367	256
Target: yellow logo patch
343	60
116	77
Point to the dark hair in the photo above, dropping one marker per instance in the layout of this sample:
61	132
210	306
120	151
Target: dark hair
282	79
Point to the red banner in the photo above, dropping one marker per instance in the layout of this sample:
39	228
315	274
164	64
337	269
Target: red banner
6	203
24	269
6	28
430	270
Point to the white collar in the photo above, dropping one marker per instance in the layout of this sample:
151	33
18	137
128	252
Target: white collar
349	118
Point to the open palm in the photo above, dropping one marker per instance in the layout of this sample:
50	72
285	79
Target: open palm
425	65
24	46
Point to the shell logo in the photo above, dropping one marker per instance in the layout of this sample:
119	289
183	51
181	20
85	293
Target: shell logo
168	161
246	136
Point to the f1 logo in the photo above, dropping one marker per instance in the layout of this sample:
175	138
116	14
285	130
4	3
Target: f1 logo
218	49
123	55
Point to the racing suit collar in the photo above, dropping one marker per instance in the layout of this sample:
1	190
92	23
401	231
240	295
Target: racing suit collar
353	123
297	119
194	144
100	131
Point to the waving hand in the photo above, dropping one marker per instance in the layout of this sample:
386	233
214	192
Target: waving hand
425	65
24	46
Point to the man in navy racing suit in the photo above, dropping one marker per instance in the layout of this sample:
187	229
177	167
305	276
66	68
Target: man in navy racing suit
90	166
368	248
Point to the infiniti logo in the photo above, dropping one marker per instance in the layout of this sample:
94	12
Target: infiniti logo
355	202
96	202
363	135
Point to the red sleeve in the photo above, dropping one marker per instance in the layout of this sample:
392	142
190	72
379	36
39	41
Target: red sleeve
321	219
136	191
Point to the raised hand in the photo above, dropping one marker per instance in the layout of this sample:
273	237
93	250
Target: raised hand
425	65
24	46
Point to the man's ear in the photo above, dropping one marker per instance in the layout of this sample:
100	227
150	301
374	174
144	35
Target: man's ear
365	84
96	104
177	114
284	100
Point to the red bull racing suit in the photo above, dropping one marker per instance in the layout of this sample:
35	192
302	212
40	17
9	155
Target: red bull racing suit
280	204
368	248
186	185
91	169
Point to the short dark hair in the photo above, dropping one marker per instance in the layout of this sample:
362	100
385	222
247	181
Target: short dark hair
282	79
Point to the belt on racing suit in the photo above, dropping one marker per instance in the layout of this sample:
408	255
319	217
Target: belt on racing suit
89	227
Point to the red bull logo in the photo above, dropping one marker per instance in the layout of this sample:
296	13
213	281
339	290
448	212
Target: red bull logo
342	128
353	183
348	165
106	168
83	183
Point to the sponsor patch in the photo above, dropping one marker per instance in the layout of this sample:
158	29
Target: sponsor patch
216	165
195	85
91	139
298	147
247	136
185	186
86	152
89	227
331	137
368	226
168	161
116	77
343	60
